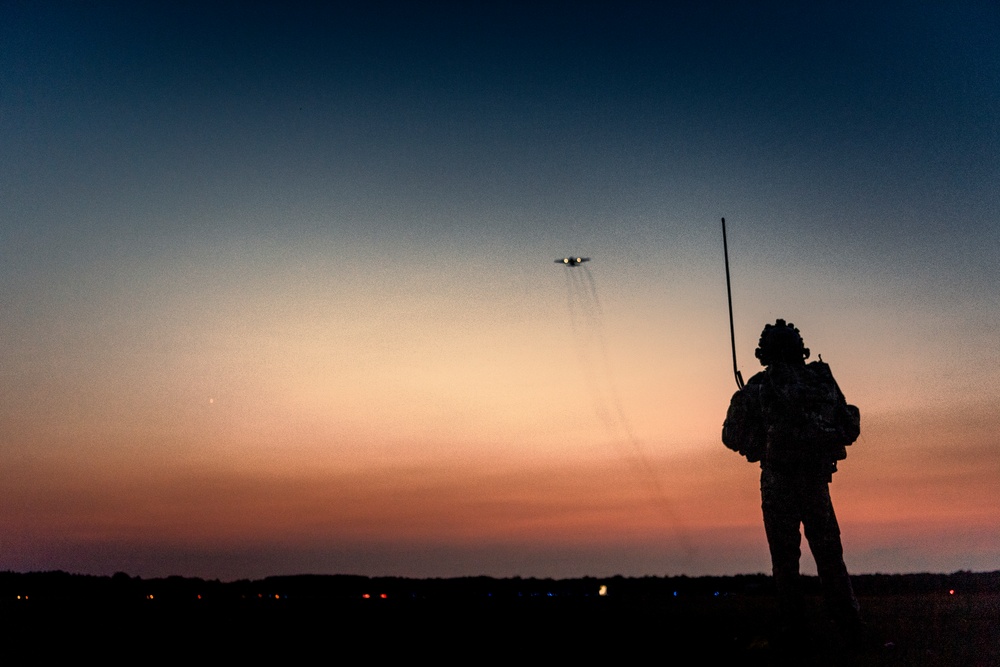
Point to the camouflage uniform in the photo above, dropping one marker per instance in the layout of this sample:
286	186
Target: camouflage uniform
764	423
787	500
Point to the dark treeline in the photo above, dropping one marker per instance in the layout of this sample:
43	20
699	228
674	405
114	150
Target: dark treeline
39	587
918	619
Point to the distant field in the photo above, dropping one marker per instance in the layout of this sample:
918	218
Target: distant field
916	620
912	629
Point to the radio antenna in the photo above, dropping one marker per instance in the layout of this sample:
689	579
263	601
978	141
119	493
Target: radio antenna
729	293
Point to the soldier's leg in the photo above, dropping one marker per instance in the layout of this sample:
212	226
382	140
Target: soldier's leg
779	503
823	534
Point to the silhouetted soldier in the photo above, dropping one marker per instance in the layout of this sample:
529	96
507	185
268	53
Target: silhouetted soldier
793	418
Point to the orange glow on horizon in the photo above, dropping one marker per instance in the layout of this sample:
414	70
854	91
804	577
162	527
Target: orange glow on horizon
695	498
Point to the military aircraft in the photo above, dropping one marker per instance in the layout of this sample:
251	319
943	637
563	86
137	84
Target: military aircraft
572	261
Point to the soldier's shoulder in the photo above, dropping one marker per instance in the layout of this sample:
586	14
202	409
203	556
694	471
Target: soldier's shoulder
819	372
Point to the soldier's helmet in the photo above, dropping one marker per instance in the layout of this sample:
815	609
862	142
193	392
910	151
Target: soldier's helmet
781	342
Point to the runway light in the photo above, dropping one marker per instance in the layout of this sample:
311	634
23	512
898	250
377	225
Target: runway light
383	596
365	596
951	591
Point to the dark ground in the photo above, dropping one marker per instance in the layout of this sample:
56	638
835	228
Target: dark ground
474	620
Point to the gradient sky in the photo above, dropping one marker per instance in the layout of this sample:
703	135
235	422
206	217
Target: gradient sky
278	292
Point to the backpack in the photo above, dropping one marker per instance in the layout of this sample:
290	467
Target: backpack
743	431
806	414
